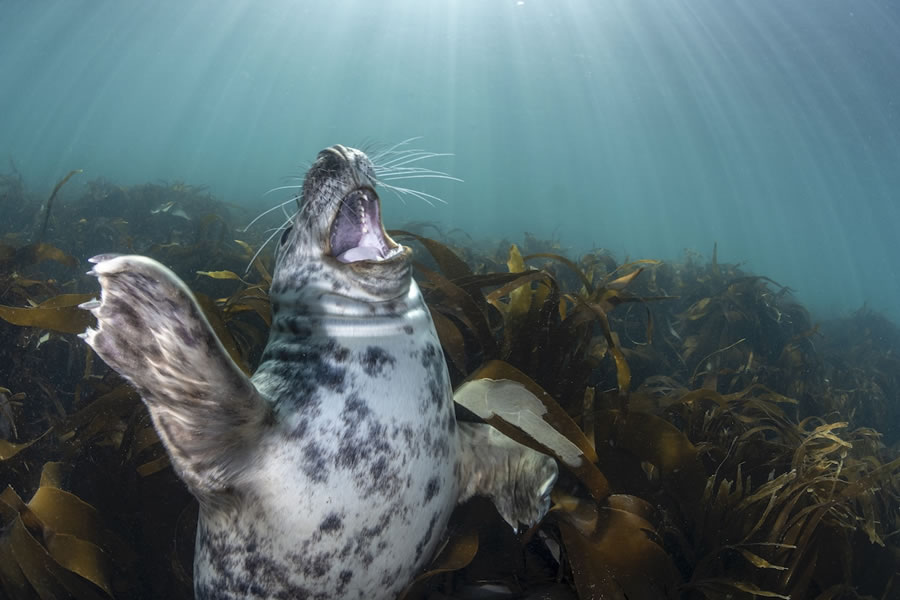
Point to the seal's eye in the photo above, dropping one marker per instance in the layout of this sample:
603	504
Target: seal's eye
284	236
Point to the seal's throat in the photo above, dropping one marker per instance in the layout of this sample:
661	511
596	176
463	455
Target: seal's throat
338	316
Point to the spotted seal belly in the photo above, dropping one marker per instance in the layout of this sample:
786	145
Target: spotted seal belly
333	470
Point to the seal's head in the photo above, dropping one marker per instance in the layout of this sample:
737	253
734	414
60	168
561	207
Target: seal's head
339	226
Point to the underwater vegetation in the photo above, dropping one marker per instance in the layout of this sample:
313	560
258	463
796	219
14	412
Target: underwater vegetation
713	440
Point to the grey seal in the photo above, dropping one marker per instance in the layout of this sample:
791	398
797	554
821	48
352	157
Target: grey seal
333	470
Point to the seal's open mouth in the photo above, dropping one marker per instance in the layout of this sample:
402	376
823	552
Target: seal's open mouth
357	234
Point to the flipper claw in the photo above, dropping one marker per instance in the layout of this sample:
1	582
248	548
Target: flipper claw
90	305
102	257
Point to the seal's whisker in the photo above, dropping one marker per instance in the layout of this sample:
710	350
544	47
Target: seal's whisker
285	212
408	170
283	187
417	193
410	158
397	163
399	169
306	214
404	155
398	172
389	152
268	239
393	148
420	176
392	168
264	213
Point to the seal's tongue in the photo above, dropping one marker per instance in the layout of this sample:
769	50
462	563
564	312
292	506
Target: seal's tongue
356	233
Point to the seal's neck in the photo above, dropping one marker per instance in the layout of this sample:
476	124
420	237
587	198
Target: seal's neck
335	315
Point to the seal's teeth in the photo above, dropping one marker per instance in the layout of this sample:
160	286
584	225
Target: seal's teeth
88	335
90	305
102	257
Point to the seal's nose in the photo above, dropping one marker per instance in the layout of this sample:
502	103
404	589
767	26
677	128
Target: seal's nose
336	154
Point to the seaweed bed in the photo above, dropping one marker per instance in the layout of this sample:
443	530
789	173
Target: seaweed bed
734	449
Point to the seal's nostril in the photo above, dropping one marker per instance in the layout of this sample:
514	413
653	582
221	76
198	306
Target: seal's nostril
330	160
335	155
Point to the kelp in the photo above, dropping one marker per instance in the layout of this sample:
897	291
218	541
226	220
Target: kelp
49	206
860	364
79	534
726	445
60	313
614	549
56	544
725	318
538	329
18	205
456	554
18	258
100	433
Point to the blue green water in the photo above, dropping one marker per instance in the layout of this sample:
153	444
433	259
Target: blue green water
771	127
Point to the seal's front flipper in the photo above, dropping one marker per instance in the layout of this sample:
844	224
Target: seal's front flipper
151	330
517	478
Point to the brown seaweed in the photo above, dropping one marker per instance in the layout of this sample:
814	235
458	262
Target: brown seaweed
731	446
49	206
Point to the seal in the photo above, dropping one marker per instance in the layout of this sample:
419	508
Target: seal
332	472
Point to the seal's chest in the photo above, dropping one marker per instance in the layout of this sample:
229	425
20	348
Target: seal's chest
358	477
365	405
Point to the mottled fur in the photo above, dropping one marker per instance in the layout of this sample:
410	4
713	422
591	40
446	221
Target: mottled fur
332	472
